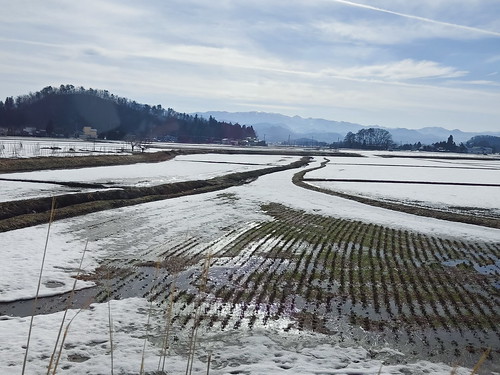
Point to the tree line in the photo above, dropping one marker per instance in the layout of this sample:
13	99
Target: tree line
381	139
65	110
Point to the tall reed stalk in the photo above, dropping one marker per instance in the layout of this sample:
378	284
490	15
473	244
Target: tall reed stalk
110	324
168	325
66	330
51	218
68	304
150	312
196	324
480	362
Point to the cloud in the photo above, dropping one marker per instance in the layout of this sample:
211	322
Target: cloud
493	59
400	70
480	82
423	19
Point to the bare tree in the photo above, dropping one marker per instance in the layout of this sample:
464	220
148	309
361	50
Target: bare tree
372	138
135	142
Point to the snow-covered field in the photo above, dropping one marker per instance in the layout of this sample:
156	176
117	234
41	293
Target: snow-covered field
211	220
25	147
181	168
28	147
136	326
233	352
205	217
440	196
448	173
408	170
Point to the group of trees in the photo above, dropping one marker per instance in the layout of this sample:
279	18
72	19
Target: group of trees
64	111
485	141
410	146
370	138
380	139
449	145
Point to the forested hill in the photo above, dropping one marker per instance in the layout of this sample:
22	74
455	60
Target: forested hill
64	111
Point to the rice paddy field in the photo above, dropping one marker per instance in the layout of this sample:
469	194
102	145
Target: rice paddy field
266	277
23	147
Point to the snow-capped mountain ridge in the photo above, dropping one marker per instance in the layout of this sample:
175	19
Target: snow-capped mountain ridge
275	127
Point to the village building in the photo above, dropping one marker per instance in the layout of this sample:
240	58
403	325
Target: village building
89	132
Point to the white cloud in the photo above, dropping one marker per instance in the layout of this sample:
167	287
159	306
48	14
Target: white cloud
380	32
479	82
493	59
470	29
400	70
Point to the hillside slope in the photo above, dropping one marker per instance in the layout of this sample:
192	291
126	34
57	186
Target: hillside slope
64	111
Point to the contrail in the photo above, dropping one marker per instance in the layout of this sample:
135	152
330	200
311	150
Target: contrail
463	27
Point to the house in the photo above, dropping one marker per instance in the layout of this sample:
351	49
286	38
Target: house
29	130
89	133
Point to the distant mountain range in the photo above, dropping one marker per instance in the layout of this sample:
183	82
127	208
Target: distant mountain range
274	127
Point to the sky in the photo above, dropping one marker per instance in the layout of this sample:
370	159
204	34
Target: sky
393	63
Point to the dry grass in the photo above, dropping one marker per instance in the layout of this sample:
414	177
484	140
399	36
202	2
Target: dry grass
481	361
196	319
51	218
